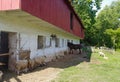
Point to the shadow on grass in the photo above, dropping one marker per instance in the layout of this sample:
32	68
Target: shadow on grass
62	63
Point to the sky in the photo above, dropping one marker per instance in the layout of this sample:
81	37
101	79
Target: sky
104	3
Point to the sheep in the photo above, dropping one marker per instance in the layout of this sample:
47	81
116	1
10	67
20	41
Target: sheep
21	65
37	61
54	58
40	61
43	60
102	54
31	64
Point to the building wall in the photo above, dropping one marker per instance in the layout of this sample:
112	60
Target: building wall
27	39
55	12
24	28
78	31
9	4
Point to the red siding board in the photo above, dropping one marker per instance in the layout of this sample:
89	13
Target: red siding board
51	15
6	5
9	4
16	4
77	27
0	4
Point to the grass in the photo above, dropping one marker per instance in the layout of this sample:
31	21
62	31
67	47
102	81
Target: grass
97	70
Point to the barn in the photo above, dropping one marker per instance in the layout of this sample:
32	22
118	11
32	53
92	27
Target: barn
33	28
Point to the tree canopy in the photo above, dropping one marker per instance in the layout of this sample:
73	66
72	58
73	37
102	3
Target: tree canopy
87	9
103	29
107	25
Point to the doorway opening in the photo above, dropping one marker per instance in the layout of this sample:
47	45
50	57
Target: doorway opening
8	44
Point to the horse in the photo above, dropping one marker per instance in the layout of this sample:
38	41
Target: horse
72	46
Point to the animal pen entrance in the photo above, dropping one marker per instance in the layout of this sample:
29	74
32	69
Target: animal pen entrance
7	45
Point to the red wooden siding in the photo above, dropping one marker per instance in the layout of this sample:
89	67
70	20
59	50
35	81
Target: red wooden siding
53	11
78	30
9	4
56	12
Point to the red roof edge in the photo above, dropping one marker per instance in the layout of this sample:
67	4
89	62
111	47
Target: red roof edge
72	10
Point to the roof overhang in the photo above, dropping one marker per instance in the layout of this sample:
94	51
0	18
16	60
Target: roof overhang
23	19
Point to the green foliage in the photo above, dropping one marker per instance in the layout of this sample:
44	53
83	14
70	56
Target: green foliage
115	36
95	28
108	20
87	9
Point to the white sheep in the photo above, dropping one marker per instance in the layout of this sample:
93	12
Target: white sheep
21	65
102	54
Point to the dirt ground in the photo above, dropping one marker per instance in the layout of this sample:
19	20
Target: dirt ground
46	73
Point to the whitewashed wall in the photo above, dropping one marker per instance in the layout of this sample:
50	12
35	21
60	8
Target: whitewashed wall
27	35
29	42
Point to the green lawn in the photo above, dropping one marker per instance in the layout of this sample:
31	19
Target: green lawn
97	70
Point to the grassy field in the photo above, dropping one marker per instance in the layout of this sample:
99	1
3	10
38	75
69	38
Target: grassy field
97	70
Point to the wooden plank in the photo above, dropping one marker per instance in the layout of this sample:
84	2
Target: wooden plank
5	54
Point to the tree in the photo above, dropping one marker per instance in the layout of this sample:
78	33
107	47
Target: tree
87	9
115	36
108	18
